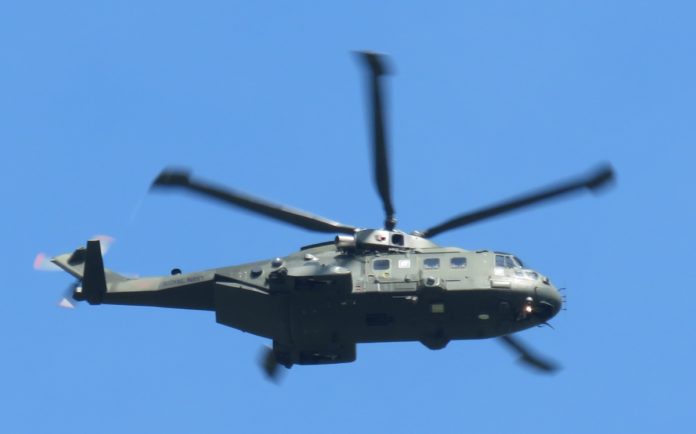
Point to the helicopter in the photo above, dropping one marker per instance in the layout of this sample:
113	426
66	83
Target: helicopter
363	286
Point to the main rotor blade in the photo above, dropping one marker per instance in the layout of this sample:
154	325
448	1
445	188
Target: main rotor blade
270	366
288	215
593	182
527	357
376	68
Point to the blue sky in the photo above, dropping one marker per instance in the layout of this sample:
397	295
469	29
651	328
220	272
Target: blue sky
490	98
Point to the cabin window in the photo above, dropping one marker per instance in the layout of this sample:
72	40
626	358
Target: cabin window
381	264
404	263
458	262
431	263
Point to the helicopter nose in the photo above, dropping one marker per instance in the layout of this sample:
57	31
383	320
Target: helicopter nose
550	296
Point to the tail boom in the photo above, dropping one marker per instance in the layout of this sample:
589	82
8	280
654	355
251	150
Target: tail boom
102	286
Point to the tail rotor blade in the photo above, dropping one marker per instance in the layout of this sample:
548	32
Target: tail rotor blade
67	301
105	242
43	263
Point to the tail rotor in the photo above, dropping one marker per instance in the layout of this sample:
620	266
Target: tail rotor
42	262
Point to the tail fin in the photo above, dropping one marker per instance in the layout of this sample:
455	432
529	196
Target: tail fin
87	265
93	279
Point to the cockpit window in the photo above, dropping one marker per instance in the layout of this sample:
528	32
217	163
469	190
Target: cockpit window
431	263
499	261
458	262
507	261
381	264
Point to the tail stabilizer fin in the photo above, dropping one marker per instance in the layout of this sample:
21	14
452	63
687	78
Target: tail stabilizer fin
87	265
94	278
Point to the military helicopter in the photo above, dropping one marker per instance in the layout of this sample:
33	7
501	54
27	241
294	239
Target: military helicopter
365	285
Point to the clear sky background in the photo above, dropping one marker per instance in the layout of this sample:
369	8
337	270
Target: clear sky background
490	99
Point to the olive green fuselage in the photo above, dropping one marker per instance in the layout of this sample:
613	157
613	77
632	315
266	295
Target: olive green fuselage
316	304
